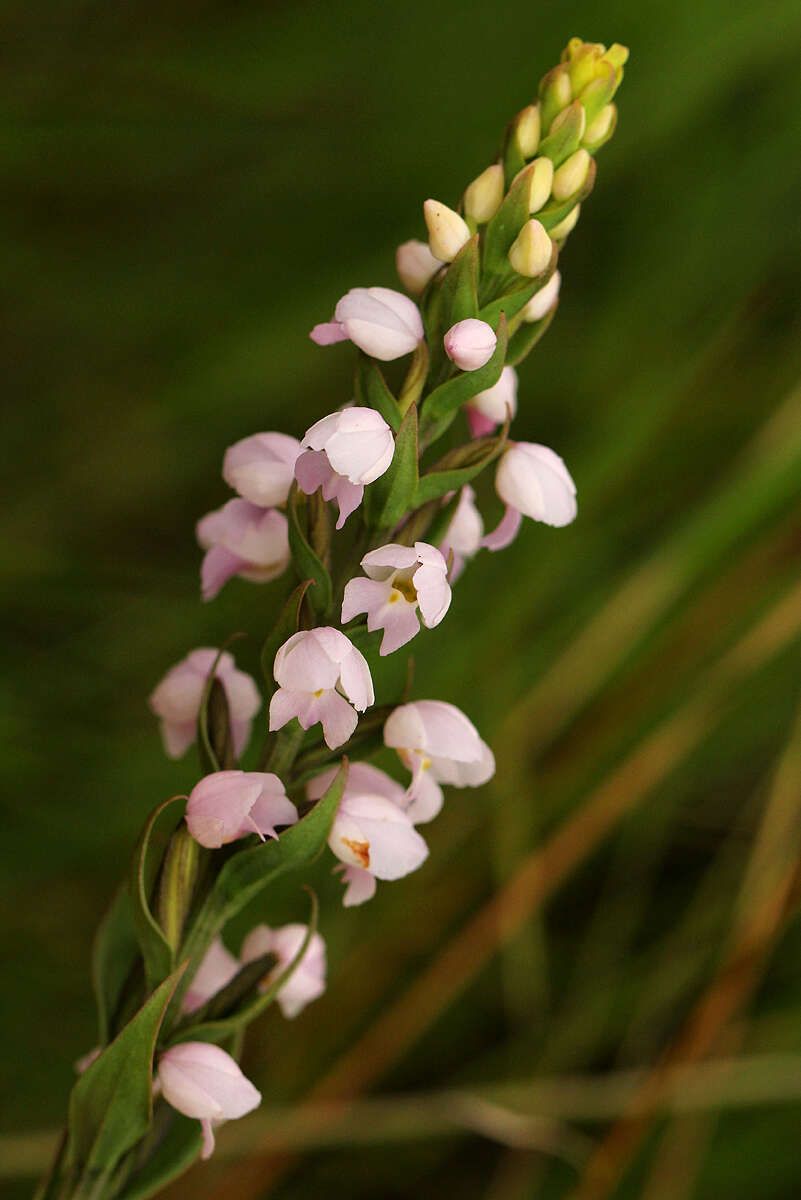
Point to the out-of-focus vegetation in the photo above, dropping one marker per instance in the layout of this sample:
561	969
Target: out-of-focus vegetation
551	1007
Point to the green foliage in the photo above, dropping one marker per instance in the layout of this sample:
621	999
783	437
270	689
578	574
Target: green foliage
114	954
307	562
177	1150
157	952
288	623
442	405
371	391
459	466
391	495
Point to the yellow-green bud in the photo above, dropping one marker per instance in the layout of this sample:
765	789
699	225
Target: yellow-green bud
618	56
555	94
483	197
569	114
527	130
541	182
560	231
531	250
447	231
598	129
571	175
583	63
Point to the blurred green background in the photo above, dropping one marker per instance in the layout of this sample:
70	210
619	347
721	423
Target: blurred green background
186	190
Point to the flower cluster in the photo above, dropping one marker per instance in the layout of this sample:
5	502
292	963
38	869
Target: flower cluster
482	288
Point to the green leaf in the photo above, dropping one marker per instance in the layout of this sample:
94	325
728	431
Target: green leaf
174	1154
446	400
391	495
442	519
111	1105
562	142
502	231
114	954
459	286
307	564
513	160
458	467
515	301
371	389
148	856
248	872
288	623
527	337
215	1031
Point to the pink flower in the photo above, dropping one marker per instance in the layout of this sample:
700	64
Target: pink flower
202	1081
415	265
401	580
438	744
373	834
218	967
343	452
307	980
177	699
534	482
383	323
261	468
464	533
242	539
228	805
491	407
470	344
320	674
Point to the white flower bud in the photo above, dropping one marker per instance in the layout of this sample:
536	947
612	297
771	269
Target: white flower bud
541	183
528	130
531	251
483	197
598	129
543	300
571	175
560	231
447	231
415	265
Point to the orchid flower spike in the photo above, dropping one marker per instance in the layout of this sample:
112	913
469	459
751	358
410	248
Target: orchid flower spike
372	835
320	675
307	980
534	482
261	468
383	323
200	1080
176	700
401	580
438	744
470	344
463	538
343	452
242	539
217	968
228	805
491	407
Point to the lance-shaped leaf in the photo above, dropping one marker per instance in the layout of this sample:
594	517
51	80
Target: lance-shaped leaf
566	138
175	1153
527	337
459	286
513	157
459	466
157	952
111	1105
390	497
248	872
288	623
307	563
502	231
445	401
371	390
216	1031
115	951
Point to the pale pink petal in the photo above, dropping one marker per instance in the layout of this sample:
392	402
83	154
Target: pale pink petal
328	333
338	719
201	1080
400	624
217	968
427	801
219	565
480	425
356	681
535	480
283	707
347	495
261	467
362	596
312	470
388	558
505	532
360	887
219	805
178	736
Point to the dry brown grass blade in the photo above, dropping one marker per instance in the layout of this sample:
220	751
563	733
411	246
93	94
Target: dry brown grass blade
769	893
468	952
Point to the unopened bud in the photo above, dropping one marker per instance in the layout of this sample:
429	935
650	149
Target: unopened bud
599	128
447	231
571	175
575	112
528	130
470	344
618	56
541	183
583	63
544	300
555	94
415	265
483	197
531	250
560	231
